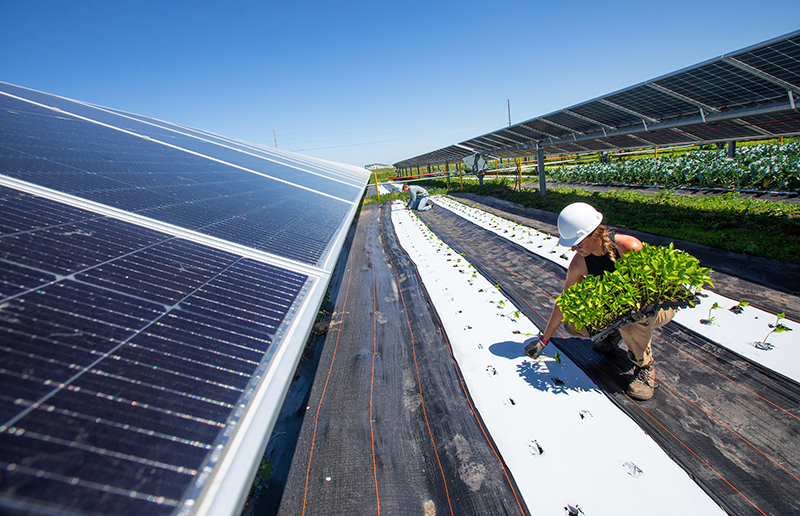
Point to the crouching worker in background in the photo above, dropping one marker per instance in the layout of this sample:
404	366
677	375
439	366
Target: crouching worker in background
419	198
596	251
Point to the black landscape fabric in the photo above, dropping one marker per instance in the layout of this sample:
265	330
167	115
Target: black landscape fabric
388	426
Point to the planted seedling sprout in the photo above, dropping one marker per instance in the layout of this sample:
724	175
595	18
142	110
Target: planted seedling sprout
778	327
739	308
710	318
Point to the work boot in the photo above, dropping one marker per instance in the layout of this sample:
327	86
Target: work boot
609	343
644	382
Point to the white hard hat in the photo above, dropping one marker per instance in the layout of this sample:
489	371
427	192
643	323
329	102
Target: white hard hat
576	222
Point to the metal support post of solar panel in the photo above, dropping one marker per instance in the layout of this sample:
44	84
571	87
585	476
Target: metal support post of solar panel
157	287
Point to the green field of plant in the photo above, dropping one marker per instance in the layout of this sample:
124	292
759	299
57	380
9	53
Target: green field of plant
766	166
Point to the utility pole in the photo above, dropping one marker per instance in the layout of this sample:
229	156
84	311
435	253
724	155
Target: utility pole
509	112
275	137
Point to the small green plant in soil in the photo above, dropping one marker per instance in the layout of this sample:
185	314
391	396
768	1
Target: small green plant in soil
263	475
778	327
642	280
710	317
739	308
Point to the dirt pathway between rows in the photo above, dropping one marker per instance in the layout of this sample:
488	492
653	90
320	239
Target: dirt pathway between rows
388	427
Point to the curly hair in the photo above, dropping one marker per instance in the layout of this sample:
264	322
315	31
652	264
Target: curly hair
607	239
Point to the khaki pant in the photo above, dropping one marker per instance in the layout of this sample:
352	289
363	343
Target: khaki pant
637	335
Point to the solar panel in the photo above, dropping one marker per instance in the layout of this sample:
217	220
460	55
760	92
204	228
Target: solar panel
722	86
652	103
572	122
780	59
667	137
721	131
171	185
777	123
156	291
320	175
609	115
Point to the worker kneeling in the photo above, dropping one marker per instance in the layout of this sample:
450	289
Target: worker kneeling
419	198
596	251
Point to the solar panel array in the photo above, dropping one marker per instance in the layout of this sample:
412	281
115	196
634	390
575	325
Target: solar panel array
157	286
752	93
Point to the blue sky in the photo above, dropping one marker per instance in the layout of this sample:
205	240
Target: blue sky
363	82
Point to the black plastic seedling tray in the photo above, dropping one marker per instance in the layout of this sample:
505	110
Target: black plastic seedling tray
601	333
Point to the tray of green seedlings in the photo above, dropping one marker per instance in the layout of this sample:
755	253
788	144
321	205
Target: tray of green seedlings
642	283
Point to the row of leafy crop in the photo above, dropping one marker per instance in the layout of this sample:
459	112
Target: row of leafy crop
756	167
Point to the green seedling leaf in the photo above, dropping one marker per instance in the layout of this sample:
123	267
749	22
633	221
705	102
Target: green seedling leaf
739	308
776	328
713	307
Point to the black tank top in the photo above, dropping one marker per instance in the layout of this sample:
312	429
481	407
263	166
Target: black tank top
597	265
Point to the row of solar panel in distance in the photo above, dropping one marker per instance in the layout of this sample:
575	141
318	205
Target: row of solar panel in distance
766	125
716	84
312	173
123	171
125	351
543	130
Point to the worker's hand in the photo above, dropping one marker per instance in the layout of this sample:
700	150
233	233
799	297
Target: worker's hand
638	316
535	346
